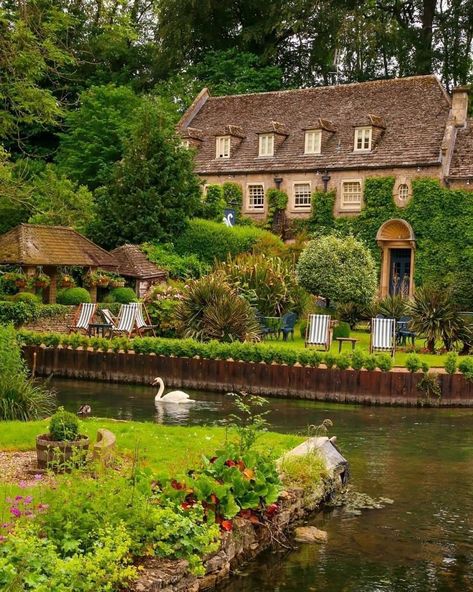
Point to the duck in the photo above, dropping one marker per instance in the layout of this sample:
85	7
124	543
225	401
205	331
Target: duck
172	397
84	410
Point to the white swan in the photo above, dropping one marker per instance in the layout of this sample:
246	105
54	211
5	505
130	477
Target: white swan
172	397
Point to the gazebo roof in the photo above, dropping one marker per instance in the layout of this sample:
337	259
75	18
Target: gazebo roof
132	262
36	244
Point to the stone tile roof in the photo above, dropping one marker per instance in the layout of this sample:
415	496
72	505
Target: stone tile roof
35	244
461	165
132	262
413	111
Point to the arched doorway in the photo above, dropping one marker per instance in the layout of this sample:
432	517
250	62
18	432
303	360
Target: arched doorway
397	242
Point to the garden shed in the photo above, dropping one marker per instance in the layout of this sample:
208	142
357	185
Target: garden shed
44	249
134	265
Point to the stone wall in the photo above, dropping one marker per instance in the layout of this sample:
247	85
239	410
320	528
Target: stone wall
59	323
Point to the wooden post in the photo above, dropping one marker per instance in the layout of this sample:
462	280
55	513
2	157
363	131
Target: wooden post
52	290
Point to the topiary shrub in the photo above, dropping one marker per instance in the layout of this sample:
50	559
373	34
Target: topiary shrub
451	362
384	362
466	368
343	361
413	363
123	295
358	359
73	296
26	297
341	330
370	363
330	360
63	426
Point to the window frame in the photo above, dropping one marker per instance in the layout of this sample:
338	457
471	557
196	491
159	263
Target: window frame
221	153
403	187
305	207
362	133
251	208
318	144
261	139
350	206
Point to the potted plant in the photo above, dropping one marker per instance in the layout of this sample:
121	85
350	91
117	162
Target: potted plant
16	279
66	281
117	282
62	447
91	279
41	280
103	280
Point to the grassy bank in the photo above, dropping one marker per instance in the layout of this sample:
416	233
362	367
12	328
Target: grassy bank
170	449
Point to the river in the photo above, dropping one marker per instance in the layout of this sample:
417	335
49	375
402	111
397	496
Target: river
420	458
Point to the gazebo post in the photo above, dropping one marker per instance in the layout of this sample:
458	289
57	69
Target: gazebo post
30	272
93	289
52	289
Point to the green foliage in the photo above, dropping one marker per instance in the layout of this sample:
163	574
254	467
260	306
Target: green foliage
358	359
277	203
248	421
123	295
341	270
451	362
212	241
64	426
72	296
267	283
384	362
466	368
213	204
370	362
20	397
304	471
154	189
350	313
413	363
162	304
341	330
96	133
23	312
330	360
343	362
322	219
178	266
233	197
429	385
393	307
27	297
211	309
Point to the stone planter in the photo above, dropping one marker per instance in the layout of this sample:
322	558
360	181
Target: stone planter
61	455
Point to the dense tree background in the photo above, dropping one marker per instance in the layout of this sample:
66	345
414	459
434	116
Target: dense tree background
74	74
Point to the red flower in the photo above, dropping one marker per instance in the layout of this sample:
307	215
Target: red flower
230	463
241	465
176	485
227	525
186	505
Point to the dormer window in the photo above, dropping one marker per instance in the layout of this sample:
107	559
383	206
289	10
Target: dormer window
266	145
312	141
363	136
222	147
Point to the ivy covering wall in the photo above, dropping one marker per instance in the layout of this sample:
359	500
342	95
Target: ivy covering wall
442	220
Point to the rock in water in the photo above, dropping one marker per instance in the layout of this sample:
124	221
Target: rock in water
310	534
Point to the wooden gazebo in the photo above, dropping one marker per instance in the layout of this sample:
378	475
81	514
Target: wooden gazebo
134	265
50	247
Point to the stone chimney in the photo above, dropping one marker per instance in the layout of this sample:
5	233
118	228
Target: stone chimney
460	105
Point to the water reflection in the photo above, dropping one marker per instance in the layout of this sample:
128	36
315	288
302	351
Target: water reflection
421	458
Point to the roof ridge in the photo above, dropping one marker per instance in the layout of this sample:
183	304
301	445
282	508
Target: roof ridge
327	86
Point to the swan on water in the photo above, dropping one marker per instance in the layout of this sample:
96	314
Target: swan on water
172	397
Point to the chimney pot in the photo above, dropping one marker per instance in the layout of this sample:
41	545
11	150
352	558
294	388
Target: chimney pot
460	105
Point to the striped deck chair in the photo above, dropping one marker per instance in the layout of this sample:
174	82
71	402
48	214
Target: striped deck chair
141	325
126	320
318	331
383	335
83	317
108	317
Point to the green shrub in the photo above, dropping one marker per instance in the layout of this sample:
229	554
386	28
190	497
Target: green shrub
179	267
413	363
392	307
341	330
350	313
213	204
18	313
26	297
358	359
371	362
343	362
233	197
123	295
451	362
466	368
330	360
384	362
73	296
212	241
309	357
63	426
425	367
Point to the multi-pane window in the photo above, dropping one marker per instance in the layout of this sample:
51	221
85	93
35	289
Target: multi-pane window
351	195
266	144
403	192
363	138
256	196
312	142
222	147
302	195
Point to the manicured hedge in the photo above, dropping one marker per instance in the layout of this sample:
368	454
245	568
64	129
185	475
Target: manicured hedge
214	350
19	313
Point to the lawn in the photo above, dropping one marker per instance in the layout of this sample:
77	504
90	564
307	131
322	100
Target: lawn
434	360
171	449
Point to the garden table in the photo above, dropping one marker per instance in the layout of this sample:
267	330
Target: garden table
342	340
100	329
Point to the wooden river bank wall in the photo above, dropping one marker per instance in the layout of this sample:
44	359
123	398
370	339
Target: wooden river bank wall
278	380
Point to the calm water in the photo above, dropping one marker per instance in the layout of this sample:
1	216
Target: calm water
421	458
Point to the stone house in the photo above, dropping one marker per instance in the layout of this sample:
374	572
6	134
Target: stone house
332	139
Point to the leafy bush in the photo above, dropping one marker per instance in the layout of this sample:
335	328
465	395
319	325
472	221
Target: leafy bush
340	270
212	241
63	426
341	330
18	313
162	303
178	266
343	362
384	362
350	313
211	309
267	283
466	368
233	197
413	363
371	362
304	471
393	307
73	296
123	295
26	297
451	362
20	397
213	204
330	360
358	359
